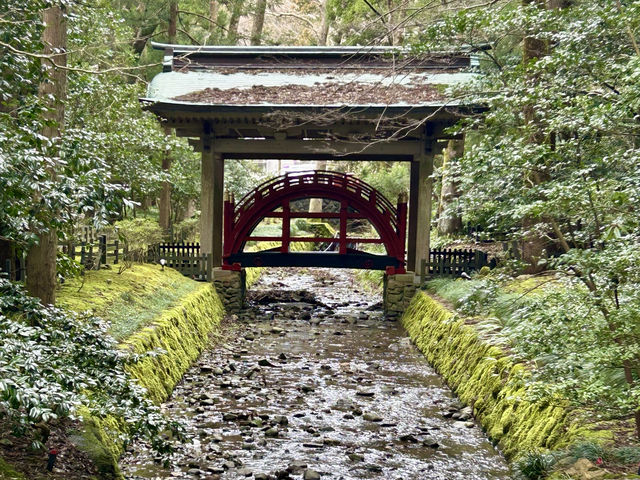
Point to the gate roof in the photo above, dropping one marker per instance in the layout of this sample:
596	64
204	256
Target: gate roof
305	76
317	94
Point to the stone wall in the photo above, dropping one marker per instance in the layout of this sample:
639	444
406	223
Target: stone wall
398	291
486	378
182	333
231	286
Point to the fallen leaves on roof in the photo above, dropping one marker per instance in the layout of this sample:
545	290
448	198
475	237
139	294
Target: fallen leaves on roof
353	93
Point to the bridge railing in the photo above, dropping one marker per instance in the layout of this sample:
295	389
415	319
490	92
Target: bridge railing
319	177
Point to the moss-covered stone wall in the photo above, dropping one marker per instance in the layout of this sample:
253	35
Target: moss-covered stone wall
486	378
182	332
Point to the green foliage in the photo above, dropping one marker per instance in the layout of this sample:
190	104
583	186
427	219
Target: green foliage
68	267
535	465
137	234
391	179
53	364
242	176
188	230
556	159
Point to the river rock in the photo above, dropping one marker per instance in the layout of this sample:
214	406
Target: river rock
371	417
465	414
264	362
310	474
365	393
281	420
430	442
297	466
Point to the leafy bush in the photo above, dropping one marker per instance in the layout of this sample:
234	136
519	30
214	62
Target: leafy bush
137	234
188	230
52	364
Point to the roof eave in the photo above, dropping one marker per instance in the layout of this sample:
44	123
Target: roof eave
156	105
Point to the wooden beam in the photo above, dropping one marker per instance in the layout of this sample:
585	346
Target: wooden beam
206	198
420	211
270	149
414	176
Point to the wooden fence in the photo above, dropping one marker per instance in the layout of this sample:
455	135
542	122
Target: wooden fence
184	257
452	262
95	252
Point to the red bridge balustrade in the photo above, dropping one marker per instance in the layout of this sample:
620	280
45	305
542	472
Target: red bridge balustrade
358	200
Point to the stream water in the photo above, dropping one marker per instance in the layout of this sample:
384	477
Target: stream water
315	383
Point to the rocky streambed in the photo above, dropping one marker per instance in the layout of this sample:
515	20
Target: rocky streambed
316	384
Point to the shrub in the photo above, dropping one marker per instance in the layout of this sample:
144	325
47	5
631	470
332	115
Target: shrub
137	234
535	465
54	364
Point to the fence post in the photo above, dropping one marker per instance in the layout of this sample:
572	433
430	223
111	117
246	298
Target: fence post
116	253
103	250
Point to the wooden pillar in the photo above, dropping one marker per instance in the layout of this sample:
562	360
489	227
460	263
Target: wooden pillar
212	202
421	186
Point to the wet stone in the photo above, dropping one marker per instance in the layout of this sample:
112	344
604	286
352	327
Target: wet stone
371	417
310	474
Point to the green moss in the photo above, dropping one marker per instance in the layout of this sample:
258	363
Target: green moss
484	377
7	472
99	438
318	228
370	280
128	300
182	332
178	315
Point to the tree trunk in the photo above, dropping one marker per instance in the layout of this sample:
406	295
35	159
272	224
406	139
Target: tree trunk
315	204
533	244
258	22
324	28
164	205
172	30
449	218
41	259
234	21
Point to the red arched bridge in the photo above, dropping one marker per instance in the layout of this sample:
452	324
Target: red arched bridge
357	199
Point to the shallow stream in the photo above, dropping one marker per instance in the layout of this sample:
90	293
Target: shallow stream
315	383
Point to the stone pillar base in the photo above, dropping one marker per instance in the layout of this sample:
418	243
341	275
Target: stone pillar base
399	289
231	287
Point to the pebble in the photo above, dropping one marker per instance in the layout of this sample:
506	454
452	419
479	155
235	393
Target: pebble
295	383
264	362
